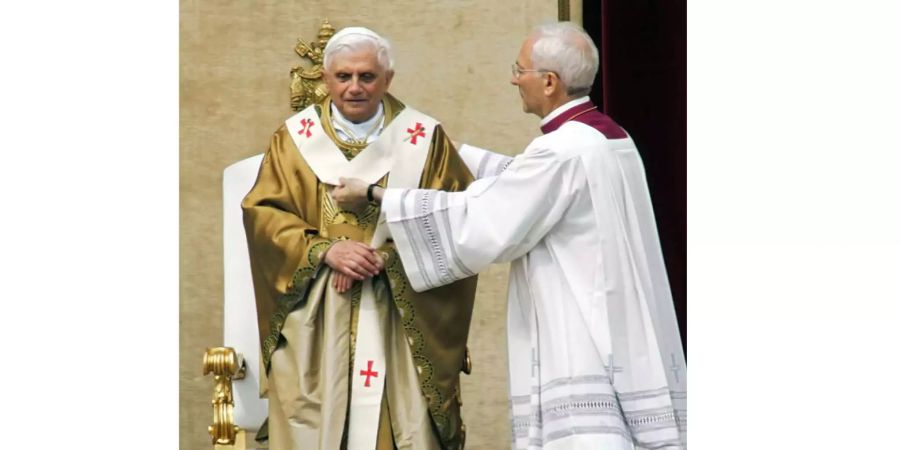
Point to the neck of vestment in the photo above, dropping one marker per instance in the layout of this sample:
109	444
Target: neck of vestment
582	110
390	108
348	129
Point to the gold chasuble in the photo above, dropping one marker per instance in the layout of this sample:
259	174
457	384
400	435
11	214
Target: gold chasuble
308	330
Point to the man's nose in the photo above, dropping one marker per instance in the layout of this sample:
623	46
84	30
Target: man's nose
355	87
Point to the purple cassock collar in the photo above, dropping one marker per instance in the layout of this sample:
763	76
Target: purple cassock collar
587	114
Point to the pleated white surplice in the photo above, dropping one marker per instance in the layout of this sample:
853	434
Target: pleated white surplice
595	356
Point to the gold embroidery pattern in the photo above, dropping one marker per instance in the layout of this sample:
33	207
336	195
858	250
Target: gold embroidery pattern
314	256
414	337
349	150
332	214
355	300
300	279
399	285
286	303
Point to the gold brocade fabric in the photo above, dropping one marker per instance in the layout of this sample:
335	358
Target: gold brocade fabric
290	221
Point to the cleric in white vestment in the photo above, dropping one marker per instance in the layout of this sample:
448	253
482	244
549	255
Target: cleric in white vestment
595	356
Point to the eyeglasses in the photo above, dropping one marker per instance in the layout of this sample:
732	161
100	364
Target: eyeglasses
518	71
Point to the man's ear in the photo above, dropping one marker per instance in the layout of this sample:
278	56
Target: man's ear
551	83
388	76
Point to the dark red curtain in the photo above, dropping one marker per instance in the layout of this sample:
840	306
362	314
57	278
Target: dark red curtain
642	85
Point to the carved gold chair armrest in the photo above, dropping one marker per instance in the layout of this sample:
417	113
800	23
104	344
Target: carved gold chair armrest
226	365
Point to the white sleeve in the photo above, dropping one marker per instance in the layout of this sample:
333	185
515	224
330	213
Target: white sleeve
445	236
483	163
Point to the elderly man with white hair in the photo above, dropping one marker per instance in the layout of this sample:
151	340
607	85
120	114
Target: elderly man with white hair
595	357
354	357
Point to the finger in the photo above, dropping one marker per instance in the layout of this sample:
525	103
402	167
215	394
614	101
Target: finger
366	271
371	264
346	283
354	271
343	269
367	261
372	258
361	264
379	262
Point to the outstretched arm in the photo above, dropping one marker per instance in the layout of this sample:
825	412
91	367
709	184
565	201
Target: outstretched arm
446	236
483	163
353	191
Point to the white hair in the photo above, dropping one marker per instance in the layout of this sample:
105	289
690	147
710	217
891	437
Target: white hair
353	38
565	48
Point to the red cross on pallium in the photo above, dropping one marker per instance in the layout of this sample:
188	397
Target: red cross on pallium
368	373
307	127
418	131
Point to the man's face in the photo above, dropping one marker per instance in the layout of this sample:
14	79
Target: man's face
530	84
357	83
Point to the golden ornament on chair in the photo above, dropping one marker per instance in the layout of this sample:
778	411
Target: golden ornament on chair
226	365
307	86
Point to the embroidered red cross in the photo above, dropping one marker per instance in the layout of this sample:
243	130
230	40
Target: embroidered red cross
368	373
419	131
307	127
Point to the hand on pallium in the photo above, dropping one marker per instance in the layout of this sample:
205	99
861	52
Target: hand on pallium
351	193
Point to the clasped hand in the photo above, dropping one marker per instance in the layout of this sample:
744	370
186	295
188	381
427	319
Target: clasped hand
352	261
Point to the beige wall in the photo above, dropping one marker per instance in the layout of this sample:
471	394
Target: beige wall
452	62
